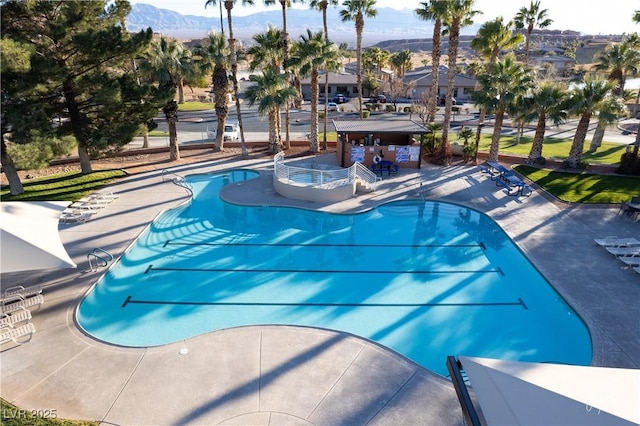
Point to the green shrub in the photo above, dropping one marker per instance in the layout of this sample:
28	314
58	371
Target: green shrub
390	108
365	114
408	110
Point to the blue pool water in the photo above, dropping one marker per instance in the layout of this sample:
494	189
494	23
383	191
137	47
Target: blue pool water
427	279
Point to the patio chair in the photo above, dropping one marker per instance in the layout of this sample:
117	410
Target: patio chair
17	302
612	241
623	251
19	317
18	334
22	291
75	216
631	260
637	269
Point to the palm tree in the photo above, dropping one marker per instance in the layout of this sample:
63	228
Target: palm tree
545	102
228	5
531	18
163	62
461	14
310	54
213	58
618	61
494	37
584	101
356	10
437	11
323	5
402	62
503	83
271	91
285	58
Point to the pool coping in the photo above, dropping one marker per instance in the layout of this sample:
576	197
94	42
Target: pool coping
596	286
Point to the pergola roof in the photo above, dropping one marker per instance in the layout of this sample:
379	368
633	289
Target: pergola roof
380	126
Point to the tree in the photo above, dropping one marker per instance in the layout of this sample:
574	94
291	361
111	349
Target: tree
271	91
617	61
494	37
501	85
437	11
546	102
323	5
78	57
356	10
585	101
401	62
461	14
164	63
233	59
213	58
309	55
531	18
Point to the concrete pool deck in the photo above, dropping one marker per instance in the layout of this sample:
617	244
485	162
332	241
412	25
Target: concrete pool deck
297	375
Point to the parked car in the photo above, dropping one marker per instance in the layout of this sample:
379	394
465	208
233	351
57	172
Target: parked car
340	99
231	132
331	106
382	99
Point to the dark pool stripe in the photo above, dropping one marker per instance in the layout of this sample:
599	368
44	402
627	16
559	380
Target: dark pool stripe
324	271
169	243
129	301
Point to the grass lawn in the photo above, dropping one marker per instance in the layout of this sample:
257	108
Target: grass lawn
195	106
14	416
608	153
62	187
582	187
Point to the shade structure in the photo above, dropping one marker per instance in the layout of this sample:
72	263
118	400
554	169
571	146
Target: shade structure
29	238
523	393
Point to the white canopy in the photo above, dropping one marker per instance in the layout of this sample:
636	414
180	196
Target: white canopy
519	393
29	237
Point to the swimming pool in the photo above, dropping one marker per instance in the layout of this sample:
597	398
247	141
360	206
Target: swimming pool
427	279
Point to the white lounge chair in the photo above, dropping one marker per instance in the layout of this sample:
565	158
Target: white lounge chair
10	334
632	260
18	317
623	251
612	241
17	302
22	291
75	216
637	269
106	195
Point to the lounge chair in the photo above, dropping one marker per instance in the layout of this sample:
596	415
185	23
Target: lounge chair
16	335
22	291
16	303
632	260
612	241
15	318
75	216
623	251
106	195
637	269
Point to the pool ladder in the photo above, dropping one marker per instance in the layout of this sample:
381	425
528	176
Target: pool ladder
175	178
98	258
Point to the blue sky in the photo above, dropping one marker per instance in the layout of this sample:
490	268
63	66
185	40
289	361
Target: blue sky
587	16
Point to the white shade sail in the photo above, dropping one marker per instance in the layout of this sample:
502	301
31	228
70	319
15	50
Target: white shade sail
524	393
29	238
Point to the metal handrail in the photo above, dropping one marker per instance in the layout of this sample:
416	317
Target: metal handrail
318	177
176	178
99	255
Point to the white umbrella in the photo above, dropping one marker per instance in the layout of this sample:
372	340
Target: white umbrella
525	393
29	237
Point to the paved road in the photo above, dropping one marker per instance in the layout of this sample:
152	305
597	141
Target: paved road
192	126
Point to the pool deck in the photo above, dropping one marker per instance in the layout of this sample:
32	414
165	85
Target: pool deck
297	375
